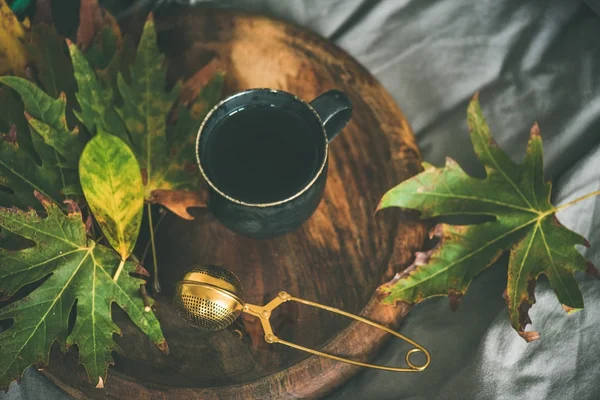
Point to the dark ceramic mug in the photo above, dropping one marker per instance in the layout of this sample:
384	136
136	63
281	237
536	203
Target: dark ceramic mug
264	154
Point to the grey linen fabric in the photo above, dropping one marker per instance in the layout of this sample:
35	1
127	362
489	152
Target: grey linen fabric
532	60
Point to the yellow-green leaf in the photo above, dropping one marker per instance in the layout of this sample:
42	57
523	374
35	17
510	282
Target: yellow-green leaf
13	53
112	184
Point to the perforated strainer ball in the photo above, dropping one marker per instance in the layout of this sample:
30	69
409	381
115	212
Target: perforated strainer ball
209	297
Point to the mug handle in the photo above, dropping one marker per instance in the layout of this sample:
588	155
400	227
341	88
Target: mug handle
335	110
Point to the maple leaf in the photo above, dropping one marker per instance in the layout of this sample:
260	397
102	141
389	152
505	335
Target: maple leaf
74	100
110	53
53	67
12	114
46	160
20	174
95	101
166	163
35	51
49	65
47	117
79	275
525	222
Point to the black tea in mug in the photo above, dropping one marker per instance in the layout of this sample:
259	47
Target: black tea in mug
261	154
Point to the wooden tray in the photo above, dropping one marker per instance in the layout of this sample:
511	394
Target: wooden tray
338	257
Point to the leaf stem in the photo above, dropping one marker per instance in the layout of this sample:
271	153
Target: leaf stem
116	277
155	283
93	229
145	298
101	238
147	248
596	193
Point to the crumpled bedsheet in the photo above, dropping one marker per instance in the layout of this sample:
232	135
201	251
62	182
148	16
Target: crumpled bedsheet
531	60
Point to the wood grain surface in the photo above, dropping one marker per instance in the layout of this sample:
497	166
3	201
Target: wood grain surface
338	257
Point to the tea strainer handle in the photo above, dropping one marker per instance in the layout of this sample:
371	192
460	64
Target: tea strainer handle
264	314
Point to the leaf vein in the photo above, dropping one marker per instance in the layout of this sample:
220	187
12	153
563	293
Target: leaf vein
450	265
43	318
515	292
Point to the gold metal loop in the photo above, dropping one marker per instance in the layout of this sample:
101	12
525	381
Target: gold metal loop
264	314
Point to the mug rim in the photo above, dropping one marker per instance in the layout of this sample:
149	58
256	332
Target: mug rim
274	203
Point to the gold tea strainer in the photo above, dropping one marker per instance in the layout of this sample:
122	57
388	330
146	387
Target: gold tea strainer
210	298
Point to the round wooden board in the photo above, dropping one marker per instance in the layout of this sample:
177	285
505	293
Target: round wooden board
339	257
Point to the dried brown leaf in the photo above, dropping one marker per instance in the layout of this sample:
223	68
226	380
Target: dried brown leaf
193	86
90	20
178	201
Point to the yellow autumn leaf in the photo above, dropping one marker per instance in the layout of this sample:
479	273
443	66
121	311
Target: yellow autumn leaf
13	53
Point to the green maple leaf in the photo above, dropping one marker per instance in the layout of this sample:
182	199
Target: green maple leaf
13	114
105	46
47	159
167	163
145	103
525	222
30	162
47	117
20	174
52	63
110	52
95	101
79	274
39	170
